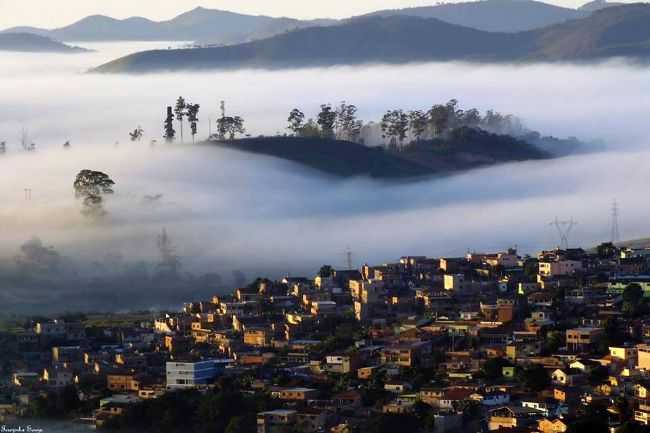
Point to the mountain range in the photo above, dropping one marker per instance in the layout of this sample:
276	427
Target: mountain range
198	25
211	26
610	32
27	42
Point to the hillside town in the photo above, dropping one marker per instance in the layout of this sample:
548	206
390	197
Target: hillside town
557	342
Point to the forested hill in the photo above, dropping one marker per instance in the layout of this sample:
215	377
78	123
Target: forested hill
614	31
465	148
494	15
25	42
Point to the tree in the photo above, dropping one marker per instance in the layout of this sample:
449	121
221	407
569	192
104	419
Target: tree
326	271
66	145
3	147
394	125
326	120
492	368
241	424
632	297
91	186
179	111
296	121
169	262
471	118
417	123
534	377
311	129
137	134
170	133
36	257
607	250
439	119
230	126
192	117
346	123
25	141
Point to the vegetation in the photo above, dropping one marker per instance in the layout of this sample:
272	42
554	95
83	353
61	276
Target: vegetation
91	187
223	410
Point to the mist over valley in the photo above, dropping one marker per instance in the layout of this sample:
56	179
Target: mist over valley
225	210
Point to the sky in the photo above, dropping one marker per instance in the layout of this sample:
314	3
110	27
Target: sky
49	14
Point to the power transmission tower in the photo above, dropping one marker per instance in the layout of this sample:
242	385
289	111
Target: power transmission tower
348	258
615	235
564	230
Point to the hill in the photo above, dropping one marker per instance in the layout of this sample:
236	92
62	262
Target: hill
465	149
615	31
596	5
199	25
610	32
25	42
396	39
493	15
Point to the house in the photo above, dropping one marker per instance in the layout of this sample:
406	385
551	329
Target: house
642	414
342	364
559	268
323	308
184	375
397	387
295	394
555	425
58	377
582	338
491	398
347	400
509	417
275	420
25	379
122	382
398	406
310	420
643	356
258	337
413	354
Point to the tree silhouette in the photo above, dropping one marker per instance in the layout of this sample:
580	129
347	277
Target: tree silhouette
179	111
91	186
326	120
137	134
192	117
394	125
296	121
170	133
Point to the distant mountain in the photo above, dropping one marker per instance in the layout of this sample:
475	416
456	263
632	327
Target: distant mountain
199	25
618	31
597	5
610	32
26	42
493	15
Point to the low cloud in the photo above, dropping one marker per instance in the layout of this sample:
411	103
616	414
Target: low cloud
226	210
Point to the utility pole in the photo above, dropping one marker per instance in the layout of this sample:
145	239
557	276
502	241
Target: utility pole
615	234
348	258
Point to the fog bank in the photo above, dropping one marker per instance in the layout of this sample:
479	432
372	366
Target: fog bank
226	210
